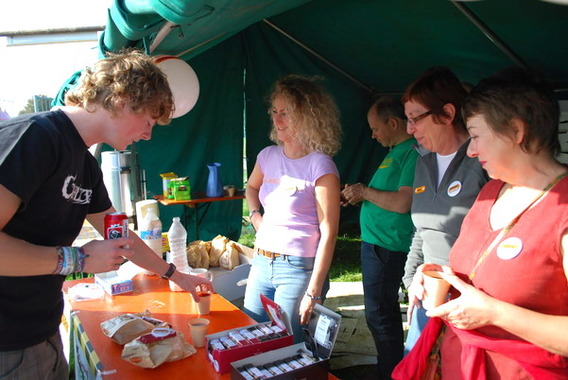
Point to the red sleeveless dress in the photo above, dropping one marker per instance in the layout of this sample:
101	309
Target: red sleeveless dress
524	269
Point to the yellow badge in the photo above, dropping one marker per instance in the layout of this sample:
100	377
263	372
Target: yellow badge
386	163
509	248
419	189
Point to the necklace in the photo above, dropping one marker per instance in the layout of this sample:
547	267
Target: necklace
511	224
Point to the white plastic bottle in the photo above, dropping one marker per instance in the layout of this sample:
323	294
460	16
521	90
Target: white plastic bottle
177	239
151	233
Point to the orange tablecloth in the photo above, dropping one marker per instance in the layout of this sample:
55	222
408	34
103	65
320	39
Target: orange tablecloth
177	308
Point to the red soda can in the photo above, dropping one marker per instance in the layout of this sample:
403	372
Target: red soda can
116	225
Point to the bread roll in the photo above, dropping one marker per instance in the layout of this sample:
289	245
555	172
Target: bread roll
218	246
230	258
197	254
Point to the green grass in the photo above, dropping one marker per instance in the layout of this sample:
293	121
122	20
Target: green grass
346	264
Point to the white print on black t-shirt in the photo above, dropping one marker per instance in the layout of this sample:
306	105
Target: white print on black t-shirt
74	193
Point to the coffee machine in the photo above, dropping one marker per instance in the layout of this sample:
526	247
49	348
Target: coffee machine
124	180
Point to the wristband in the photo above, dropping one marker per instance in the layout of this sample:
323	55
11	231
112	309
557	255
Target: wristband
60	261
253	212
80	259
70	260
314	298
169	272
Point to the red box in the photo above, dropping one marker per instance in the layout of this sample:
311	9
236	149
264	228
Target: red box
222	359
321	333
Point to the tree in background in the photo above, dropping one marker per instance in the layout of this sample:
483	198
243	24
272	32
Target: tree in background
37	103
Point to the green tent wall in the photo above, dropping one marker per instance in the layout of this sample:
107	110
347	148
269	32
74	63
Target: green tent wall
361	48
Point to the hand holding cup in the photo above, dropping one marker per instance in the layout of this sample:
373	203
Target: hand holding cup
203	291
435	289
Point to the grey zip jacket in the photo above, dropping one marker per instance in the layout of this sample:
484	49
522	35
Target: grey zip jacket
438	211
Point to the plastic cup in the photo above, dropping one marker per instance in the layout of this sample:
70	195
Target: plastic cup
435	290
229	190
204	304
202	272
198	330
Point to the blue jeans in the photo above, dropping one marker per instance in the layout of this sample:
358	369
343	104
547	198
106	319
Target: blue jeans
284	280
417	323
382	273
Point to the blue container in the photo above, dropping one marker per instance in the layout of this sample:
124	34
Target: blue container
214	186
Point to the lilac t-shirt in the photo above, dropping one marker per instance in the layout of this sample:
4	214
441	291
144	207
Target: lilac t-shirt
290	224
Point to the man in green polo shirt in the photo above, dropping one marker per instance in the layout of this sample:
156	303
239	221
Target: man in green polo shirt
386	230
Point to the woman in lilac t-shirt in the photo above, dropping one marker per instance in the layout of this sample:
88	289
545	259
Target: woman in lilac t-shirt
297	184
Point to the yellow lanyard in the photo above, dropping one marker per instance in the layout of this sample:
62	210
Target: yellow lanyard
511	224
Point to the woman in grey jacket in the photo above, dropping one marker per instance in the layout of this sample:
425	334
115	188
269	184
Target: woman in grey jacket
446	181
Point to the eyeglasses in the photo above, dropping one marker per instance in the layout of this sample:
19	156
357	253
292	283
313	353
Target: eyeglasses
413	120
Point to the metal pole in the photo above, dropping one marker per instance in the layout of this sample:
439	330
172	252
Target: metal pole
493	37
311	51
164	31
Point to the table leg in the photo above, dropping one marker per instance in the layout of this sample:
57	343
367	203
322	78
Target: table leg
196	222
194	217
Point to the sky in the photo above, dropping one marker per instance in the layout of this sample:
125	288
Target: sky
41	69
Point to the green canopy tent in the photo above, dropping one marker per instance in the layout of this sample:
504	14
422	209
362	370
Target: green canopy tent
362	48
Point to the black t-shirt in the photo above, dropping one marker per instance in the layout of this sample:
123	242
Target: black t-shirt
45	162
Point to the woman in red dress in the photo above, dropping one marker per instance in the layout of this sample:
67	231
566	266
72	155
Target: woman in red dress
508	318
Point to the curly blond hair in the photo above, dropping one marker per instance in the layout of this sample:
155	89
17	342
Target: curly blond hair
129	76
312	111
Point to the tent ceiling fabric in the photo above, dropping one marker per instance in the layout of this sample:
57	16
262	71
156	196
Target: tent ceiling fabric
384	44
238	48
193	27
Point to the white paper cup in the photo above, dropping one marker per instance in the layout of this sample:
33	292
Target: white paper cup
229	190
198	330
435	290
202	272
204	304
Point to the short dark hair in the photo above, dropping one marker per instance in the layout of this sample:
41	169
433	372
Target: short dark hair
435	88
523	94
388	106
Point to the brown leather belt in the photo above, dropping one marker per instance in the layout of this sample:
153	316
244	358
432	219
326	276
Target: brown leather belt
270	255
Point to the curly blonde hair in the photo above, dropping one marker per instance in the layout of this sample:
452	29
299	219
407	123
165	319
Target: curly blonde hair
130	76
312	111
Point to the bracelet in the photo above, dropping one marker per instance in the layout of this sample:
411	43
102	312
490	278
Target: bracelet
314	298
80	259
253	212
70	260
60	261
169	272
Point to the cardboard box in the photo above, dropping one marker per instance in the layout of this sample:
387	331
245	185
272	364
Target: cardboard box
114	282
222	359
320	338
231	284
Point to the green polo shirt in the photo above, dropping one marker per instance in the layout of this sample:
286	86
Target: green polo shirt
390	230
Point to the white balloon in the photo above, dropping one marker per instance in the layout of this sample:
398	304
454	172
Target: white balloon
183	83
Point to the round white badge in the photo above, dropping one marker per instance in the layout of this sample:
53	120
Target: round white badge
291	190
454	188
509	248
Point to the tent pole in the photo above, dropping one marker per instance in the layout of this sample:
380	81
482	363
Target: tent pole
309	50
493	37
200	45
164	31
